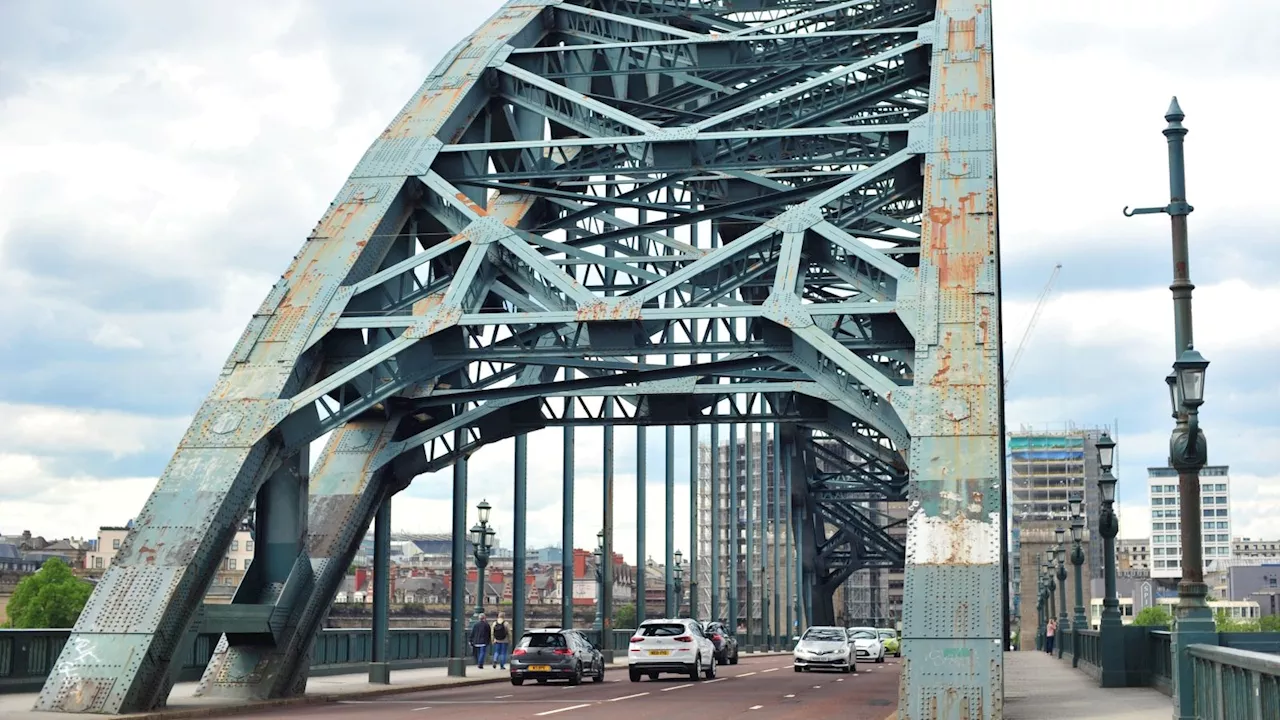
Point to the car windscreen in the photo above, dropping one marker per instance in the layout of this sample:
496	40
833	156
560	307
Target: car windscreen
662	630
888	634
862	635
543	640
824	636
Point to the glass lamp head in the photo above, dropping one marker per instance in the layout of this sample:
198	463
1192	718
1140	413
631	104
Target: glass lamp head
1107	487
1175	402
1106	451
483	511
1076	501
489	535
1059	534
1190	368
679	556
600	539
1077	529
477	535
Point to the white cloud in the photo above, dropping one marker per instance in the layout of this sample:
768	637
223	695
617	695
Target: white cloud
56	506
53	430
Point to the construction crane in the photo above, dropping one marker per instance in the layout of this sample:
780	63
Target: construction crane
1031	324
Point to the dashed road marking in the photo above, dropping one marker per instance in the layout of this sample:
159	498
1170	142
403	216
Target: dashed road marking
628	697
428	707
503	696
677	687
770	670
839	679
745	674
563	709
788	696
817	687
755	707
708	682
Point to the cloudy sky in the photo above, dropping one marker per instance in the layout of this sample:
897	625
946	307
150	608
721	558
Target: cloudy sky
161	162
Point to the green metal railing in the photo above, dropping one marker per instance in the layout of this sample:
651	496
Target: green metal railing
1160	659
1090	650
27	656
1235	684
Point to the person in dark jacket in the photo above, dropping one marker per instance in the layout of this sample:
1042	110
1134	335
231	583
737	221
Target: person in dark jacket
481	635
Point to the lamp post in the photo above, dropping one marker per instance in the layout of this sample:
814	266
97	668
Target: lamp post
678	572
1060	555
599	553
1187	451
1017	606
1042	610
481	540
1052	584
1111	644
1077	559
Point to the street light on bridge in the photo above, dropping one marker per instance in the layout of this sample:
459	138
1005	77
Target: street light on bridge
1077	559
678	572
481	540
1111	626
1059	551
600	589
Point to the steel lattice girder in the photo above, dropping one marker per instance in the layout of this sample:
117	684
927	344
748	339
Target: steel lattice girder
794	201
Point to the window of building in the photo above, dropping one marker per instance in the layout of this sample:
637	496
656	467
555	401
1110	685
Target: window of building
248	545
115	543
97	562
232	563
235	546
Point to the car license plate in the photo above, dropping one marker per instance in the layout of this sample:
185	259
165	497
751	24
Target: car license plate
539	668
659	652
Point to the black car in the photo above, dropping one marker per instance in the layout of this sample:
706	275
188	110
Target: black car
555	654
725	641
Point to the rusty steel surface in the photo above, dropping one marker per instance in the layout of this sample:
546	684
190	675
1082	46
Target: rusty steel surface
630	212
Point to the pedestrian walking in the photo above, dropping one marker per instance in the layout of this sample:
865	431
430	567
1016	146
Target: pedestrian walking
501	641
1050	630
481	636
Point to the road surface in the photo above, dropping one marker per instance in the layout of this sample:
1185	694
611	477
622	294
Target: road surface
759	688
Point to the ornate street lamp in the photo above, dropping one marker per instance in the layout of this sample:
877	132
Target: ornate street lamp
481	540
1187	452
1060	553
1110	640
1052	584
1077	560
678	571
599	555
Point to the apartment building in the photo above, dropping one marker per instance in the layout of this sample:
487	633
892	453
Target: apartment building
1166	523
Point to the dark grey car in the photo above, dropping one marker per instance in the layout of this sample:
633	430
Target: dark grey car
725	641
555	654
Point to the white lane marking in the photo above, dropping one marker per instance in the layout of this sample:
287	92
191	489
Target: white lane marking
504	696
421	708
755	707
770	670
788	696
708	682
627	697
837	680
817	687
563	709
745	674
677	687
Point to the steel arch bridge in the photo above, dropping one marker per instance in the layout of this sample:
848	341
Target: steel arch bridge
646	212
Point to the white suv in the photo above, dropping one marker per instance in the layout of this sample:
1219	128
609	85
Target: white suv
671	646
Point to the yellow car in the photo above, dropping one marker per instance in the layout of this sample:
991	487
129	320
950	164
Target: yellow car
889	638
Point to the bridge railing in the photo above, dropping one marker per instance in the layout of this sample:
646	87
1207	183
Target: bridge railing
1235	684
27	656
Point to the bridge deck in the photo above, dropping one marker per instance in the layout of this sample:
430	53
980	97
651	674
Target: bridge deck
1038	686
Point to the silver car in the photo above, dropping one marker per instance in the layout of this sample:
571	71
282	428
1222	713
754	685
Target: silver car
824	646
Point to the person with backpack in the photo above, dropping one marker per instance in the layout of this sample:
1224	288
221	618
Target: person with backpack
501	641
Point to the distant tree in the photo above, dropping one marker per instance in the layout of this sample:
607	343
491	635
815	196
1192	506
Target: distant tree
624	617
1269	623
1225	623
51	597
1153	616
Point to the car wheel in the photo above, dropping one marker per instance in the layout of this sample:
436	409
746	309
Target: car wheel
599	677
653	676
881	658
517	681
797	668
695	670
711	669
576	678
635	675
542	681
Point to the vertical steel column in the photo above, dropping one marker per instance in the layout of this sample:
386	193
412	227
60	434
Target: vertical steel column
520	528
379	668
642	552
458	566
789	588
715	520
673	605
693	521
779	633
566	518
734	527
606	556
750	529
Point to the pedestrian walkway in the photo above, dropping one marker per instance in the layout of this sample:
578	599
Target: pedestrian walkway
184	704
1038	686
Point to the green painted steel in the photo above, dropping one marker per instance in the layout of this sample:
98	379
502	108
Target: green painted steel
642	523
520	531
526	235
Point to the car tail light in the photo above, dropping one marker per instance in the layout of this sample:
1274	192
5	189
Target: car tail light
684	638
716	637
563	651
637	639
517	651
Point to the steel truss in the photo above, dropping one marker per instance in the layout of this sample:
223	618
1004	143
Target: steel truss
647	212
